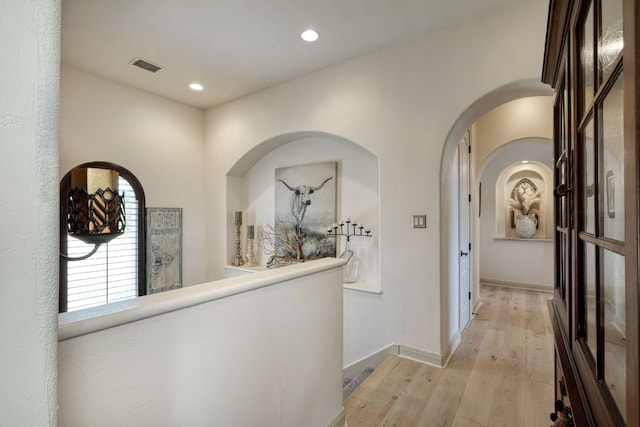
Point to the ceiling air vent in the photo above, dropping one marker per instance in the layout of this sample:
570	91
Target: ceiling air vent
146	65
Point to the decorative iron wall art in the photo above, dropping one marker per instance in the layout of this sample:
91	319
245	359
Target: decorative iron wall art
164	249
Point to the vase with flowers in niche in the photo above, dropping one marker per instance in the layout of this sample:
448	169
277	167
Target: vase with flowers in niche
525	202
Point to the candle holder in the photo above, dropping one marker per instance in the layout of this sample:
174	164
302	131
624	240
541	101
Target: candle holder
251	249
349	229
237	259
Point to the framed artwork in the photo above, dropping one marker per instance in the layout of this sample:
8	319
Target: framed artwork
611	195
305	205
164	249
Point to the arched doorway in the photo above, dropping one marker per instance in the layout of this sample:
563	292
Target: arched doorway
450	250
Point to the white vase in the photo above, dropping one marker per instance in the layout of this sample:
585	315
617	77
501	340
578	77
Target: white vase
526	226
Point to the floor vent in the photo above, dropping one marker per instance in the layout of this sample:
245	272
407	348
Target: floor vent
349	385
146	65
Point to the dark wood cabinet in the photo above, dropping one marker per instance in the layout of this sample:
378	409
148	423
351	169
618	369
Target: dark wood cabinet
591	61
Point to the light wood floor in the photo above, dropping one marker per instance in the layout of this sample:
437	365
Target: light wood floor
500	375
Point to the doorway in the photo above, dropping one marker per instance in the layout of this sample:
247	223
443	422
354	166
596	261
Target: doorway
453	296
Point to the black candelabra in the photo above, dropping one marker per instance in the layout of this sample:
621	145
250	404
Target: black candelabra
348	229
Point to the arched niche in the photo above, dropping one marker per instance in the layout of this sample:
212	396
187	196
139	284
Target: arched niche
251	189
529	177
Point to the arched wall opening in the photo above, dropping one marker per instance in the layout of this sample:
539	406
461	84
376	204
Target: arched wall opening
250	188
530	259
531	177
449	250
502	165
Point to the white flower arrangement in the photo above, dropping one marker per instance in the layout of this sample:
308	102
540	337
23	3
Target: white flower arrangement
525	203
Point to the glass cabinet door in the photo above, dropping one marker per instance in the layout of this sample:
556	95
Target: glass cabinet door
600	162
592	60
562	183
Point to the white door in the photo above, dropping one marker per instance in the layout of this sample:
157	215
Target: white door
464	192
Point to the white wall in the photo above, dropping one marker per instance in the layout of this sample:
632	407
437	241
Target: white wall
530	261
29	48
399	103
158	140
270	355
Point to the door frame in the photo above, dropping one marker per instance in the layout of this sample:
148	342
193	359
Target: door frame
464	222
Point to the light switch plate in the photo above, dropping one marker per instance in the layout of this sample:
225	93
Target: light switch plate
419	221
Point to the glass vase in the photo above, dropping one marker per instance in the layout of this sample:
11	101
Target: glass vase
351	270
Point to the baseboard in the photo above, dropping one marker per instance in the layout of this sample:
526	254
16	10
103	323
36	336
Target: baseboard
454	342
517	285
339	420
476	307
371	361
422	356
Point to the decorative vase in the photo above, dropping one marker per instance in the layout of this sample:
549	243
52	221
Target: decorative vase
251	254
526	226
351	270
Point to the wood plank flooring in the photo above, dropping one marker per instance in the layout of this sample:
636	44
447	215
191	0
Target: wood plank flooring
500	375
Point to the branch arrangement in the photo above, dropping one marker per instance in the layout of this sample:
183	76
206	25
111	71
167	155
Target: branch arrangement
282	245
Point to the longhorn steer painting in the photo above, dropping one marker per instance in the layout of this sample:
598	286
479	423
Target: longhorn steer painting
305	206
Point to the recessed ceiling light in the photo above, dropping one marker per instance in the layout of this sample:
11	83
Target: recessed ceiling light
196	86
524	162
309	35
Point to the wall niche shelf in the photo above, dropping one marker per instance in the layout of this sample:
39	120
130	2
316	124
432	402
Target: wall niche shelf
251	189
246	269
525	179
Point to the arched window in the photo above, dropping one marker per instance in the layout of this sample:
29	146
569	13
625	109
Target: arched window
116	272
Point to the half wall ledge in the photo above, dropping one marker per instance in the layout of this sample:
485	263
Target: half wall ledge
366	287
82	322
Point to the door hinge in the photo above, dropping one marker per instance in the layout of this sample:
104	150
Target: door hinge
469	148
469	198
469	295
469	245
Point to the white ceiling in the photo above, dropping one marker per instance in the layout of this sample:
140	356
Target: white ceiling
235	47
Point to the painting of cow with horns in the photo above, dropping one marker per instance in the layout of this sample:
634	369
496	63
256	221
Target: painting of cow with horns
305	206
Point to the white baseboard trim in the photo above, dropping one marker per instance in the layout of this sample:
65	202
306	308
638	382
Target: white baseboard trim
371	361
422	356
476	308
451	348
517	285
339	420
